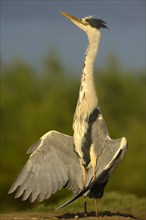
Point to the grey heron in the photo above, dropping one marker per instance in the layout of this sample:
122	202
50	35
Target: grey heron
82	163
90	131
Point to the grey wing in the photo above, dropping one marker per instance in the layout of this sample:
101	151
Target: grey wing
99	133
51	166
105	150
112	153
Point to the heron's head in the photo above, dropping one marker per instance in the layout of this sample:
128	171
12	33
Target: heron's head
89	24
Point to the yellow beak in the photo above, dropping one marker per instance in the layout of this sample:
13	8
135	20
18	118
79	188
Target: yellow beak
72	18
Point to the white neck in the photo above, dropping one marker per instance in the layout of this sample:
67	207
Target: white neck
87	80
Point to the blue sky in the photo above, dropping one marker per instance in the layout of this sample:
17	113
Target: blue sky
30	29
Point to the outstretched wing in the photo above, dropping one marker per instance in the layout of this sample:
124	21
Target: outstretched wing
104	152
51	166
113	152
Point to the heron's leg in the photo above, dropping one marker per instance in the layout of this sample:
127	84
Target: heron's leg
84	181
95	200
94	158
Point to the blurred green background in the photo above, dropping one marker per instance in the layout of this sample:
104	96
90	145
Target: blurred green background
33	103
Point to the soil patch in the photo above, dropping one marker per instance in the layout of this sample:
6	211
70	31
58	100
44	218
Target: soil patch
72	216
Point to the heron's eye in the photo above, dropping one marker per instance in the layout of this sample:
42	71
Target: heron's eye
84	22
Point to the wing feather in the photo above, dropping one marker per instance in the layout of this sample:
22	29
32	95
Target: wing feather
99	133
50	167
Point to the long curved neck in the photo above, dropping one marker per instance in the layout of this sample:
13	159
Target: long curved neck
87	79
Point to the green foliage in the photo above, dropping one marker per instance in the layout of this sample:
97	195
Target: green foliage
122	100
33	103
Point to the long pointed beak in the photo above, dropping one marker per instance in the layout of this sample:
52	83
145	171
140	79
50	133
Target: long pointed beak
71	18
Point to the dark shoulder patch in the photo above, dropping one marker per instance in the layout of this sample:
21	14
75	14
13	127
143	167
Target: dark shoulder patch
87	140
94	115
